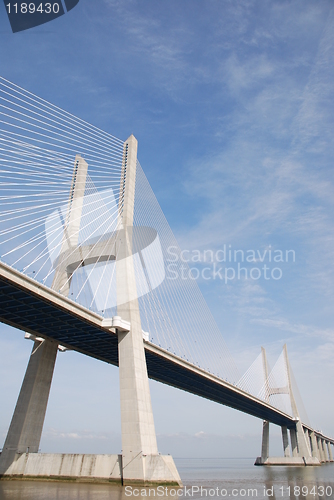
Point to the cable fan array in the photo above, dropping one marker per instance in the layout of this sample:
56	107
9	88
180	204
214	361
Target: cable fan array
272	385
175	312
41	147
38	146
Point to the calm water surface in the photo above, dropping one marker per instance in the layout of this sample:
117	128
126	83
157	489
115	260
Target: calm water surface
202	478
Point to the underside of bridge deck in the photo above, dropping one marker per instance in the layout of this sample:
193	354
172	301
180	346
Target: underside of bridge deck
27	309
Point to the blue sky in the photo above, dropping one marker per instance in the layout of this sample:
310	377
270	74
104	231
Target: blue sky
232	105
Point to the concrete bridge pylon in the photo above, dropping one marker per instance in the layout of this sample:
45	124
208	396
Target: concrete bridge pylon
25	431
140	461
140	458
303	448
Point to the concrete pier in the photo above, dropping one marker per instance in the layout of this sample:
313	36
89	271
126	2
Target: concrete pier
303	446
326	454
285	439
285	461
304	449
141	460
62	467
293	439
265	441
297	459
83	468
26	427
315	449
25	430
321	451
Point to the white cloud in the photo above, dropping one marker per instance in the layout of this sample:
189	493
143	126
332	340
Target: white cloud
297	328
55	434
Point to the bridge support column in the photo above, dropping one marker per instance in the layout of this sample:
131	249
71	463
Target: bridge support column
321	450
330	454
323	453
25	430
26	427
294	446
265	441
300	443
304	449
315	449
326	454
141	461
308	441
285	439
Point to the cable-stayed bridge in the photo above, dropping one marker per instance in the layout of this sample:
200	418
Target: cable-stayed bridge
89	263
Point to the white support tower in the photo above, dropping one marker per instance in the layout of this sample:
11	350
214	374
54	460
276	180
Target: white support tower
265	429
25	431
140	459
301	448
305	450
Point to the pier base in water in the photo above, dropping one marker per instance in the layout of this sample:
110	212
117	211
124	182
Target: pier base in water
294	461
159	469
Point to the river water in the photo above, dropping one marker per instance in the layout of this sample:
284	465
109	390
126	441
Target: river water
202	478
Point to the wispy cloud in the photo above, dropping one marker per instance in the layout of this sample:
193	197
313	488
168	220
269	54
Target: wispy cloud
77	435
303	330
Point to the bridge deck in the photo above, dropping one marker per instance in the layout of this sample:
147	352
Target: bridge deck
32	307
